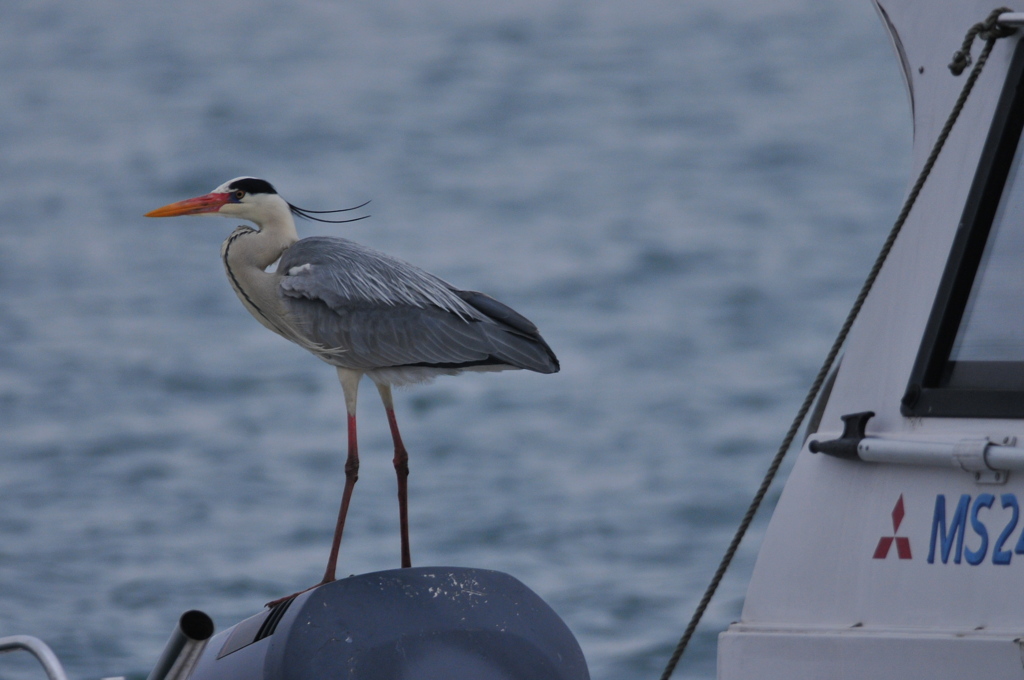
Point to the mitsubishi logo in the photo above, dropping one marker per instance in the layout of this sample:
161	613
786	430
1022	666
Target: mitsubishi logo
902	542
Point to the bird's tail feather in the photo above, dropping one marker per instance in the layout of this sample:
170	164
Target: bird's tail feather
527	352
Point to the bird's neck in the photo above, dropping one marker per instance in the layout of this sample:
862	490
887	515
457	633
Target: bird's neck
247	248
246	254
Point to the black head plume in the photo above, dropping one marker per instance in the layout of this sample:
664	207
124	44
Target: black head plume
309	214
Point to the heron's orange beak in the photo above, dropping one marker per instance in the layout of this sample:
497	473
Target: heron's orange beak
209	203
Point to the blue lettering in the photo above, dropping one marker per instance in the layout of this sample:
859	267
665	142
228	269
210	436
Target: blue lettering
1000	556
1019	549
975	557
957	528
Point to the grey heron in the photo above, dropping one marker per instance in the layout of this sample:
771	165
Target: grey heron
363	312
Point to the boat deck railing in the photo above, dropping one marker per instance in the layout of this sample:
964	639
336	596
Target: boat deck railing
38	649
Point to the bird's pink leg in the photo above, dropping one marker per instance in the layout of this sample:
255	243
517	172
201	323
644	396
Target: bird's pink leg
350	385
401	462
351	477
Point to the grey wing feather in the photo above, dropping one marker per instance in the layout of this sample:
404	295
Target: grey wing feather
368	310
340	271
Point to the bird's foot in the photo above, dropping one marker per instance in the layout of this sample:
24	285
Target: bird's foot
274	603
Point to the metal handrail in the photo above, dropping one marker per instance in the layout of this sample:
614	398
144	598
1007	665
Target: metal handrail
39	649
989	461
1012	19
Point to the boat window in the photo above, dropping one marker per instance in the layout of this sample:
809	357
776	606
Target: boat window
971	362
989	343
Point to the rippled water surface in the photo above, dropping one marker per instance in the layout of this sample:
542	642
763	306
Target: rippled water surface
684	196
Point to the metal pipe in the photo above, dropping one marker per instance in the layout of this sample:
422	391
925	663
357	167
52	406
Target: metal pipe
187	642
967	454
1015	19
931	454
39	649
1004	457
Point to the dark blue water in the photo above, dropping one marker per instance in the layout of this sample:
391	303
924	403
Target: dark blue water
683	196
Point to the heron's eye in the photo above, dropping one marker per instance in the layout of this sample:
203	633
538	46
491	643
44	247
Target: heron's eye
239	195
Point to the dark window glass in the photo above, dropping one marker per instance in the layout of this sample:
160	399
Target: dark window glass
988	350
971	362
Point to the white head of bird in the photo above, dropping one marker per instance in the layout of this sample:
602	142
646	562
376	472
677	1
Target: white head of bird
248	198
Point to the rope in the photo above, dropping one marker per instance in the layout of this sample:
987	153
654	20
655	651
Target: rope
990	31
